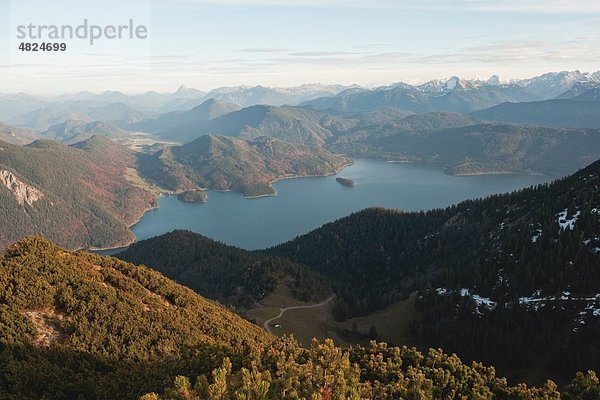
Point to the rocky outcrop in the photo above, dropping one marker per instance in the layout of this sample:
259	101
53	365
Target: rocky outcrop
47	324
23	192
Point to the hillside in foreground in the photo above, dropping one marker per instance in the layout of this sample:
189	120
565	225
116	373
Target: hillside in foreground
78	325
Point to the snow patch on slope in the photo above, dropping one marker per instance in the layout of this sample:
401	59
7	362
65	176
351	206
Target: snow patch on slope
567	223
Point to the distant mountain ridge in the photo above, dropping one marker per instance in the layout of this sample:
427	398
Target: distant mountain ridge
12	105
562	113
183	124
14	135
454	95
74	131
83	110
553	84
582	90
246	96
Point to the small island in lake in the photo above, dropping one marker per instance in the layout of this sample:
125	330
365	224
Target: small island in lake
193	196
345	181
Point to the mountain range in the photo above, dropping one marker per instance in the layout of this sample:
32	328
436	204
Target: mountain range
246	96
552	84
83	110
463	145
452	94
184	124
12	105
457	95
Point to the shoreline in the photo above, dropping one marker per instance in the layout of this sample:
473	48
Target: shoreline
497	173
292	176
486	173
261	195
138	219
281	178
168	193
448	172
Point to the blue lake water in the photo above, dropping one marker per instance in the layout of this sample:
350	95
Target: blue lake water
306	203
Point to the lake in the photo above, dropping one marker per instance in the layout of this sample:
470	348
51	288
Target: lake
304	204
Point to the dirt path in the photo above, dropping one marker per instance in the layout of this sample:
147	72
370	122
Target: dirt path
283	310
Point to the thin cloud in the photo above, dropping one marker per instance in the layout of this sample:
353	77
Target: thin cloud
536	6
320	53
511	6
262	50
371	46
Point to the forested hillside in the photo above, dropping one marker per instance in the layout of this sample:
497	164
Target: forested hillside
225	273
525	263
461	144
464	146
77	325
572	113
224	163
79	196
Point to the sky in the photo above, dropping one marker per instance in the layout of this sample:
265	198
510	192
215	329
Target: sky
211	43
